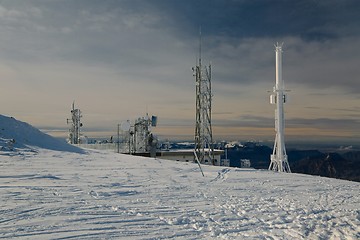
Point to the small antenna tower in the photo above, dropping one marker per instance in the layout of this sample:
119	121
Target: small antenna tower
279	161
204	147
139	137
74	131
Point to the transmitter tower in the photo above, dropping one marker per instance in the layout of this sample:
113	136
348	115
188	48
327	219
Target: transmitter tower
279	161
204	147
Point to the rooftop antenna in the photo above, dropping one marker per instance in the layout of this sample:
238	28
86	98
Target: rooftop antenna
279	161
204	147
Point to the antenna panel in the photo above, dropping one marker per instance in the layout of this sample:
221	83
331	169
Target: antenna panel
153	121
272	99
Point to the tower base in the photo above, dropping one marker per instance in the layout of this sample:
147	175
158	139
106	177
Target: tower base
279	164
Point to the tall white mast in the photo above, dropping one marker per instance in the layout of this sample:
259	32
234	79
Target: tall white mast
279	161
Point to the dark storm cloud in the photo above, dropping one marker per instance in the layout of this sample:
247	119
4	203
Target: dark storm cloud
238	36
312	20
321	39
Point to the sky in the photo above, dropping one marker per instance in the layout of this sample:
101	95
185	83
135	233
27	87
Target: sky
119	59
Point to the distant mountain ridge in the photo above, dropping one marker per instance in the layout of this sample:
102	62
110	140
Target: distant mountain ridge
314	162
331	165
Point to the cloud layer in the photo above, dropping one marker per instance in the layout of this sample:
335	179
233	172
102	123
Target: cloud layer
119	59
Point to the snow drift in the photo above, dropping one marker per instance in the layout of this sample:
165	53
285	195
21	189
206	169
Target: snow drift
15	134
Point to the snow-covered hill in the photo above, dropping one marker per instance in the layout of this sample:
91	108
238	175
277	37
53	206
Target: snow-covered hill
15	135
103	195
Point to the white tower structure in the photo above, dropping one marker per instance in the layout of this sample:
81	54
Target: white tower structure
279	161
204	147
74	131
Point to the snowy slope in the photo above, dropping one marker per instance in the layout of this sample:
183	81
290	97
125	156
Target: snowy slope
102	195
28	137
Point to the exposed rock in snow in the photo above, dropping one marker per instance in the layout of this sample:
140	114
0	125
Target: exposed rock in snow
15	135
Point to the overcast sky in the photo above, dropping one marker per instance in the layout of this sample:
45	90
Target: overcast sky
119	59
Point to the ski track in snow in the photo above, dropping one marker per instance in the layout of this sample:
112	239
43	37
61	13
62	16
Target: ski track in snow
102	195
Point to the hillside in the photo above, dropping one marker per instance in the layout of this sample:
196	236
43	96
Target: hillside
329	165
104	195
16	135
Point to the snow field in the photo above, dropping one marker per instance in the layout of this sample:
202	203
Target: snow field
103	195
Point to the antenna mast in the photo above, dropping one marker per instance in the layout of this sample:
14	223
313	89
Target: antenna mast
279	161
204	147
74	131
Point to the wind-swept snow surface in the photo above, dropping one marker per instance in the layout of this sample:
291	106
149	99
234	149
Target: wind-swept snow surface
101	195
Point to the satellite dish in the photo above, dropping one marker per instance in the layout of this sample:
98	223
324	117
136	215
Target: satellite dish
125	126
